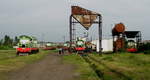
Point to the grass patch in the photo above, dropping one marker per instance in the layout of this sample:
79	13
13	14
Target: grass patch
120	66
9	61
6	48
127	66
83	70
7	54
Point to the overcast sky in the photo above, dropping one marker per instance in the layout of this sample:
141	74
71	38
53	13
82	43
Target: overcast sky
49	19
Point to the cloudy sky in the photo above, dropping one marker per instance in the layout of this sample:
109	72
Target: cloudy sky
49	19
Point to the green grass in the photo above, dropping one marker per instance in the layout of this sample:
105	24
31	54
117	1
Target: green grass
6	54
83	70
121	66
126	65
6	48
10	62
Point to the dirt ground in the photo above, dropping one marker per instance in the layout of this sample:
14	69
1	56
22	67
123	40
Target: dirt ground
50	68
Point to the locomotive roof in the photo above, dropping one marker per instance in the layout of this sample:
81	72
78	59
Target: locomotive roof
132	34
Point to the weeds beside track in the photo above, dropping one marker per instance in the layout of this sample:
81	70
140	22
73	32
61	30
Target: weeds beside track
103	75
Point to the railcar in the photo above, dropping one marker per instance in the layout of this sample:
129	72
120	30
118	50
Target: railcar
131	46
27	45
80	46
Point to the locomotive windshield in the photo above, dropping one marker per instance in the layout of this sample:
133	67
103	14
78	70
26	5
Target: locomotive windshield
23	46
131	44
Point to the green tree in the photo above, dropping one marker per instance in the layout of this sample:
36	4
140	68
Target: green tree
7	41
1	42
16	40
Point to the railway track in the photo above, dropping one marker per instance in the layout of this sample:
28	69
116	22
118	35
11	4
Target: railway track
95	63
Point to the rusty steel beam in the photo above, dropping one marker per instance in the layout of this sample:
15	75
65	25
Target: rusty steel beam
100	33
76	10
70	29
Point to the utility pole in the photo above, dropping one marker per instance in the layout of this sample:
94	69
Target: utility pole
42	37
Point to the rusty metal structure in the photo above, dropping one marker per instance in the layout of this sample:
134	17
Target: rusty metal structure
125	40
86	18
118	33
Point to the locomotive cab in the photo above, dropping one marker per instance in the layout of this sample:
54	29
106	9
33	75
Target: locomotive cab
131	46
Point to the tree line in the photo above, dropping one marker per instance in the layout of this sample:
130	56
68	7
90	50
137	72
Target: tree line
8	42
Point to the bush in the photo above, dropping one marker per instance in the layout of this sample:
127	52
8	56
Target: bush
147	52
145	48
6	48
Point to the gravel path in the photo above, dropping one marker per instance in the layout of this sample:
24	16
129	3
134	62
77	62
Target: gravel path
50	68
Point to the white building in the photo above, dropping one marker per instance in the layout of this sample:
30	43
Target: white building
107	45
